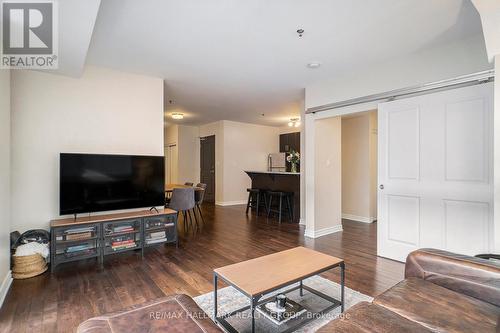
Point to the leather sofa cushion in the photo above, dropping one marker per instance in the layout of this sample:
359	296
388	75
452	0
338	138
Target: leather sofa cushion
367	317
438	308
178	313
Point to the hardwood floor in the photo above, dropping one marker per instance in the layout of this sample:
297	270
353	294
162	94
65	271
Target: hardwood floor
76	291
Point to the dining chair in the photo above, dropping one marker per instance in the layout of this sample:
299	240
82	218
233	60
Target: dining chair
198	199
188	184
183	201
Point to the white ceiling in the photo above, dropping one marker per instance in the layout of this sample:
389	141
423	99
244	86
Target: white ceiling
234	60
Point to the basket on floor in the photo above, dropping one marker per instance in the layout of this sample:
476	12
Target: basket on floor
28	266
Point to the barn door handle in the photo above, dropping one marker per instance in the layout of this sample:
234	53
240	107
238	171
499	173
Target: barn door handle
381	186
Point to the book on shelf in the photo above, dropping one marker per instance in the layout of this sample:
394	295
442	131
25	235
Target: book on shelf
79	230
157	240
122	228
123	246
77	248
78	236
80	253
116	243
158	234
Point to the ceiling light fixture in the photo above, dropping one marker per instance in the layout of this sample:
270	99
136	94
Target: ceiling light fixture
177	116
314	64
294	122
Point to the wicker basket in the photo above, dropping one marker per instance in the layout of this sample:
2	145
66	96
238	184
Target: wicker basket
28	266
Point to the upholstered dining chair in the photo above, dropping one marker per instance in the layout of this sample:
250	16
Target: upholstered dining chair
183	201
198	198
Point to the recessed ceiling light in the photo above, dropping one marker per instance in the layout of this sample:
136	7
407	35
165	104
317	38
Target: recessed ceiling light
177	116
313	64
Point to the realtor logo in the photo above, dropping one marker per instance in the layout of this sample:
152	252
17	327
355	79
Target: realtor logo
29	38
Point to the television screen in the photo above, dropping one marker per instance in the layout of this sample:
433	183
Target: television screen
95	183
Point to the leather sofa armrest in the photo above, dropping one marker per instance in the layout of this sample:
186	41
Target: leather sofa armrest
475	277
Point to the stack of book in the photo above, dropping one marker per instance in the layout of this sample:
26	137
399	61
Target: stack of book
121	243
78	250
156	237
122	228
77	234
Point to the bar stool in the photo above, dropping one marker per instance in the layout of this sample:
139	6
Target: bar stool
254	199
279	205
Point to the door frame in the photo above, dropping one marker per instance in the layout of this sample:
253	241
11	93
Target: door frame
311	229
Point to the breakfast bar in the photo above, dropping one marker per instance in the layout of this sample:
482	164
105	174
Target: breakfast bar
279	181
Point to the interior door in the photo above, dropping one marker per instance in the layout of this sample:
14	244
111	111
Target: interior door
207	166
436	172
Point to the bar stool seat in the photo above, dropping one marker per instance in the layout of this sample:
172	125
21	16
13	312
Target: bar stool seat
278	209
256	199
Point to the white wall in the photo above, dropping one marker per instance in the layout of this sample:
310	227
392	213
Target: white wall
356	175
246	147
444	62
327	176
497	156
373	143
5	176
104	111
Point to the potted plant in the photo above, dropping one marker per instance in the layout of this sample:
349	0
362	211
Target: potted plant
294	159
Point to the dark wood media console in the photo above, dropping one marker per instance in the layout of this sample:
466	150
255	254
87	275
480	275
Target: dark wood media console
97	236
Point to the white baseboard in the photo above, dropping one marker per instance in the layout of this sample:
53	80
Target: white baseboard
4	288
231	203
302	221
357	218
322	232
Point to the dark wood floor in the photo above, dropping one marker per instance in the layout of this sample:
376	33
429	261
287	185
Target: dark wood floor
76	291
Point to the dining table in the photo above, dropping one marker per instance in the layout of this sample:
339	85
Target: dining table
170	187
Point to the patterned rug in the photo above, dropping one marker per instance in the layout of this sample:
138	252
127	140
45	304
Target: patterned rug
229	299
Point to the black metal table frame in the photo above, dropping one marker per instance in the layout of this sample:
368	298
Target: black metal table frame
257	300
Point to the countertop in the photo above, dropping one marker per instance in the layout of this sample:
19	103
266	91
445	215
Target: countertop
274	172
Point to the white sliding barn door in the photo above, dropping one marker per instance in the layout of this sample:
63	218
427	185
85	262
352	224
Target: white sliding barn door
436	172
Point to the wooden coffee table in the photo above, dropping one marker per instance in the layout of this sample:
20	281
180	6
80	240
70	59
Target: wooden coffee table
257	277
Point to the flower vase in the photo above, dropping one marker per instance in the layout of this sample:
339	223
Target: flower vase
294	168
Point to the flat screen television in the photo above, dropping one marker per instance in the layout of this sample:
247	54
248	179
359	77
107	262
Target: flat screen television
96	183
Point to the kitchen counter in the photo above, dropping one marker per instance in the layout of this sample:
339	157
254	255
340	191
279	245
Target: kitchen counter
279	181
276	172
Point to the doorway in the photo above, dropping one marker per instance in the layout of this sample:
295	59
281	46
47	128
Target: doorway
171	157
207	166
359	166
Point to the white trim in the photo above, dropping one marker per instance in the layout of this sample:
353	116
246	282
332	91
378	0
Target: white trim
4	288
302	221
322	232
461	81
357	218
231	203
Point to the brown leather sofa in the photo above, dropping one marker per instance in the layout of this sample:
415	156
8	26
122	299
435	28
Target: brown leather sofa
442	292
178	313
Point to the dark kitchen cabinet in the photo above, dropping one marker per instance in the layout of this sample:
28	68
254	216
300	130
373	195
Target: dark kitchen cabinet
289	142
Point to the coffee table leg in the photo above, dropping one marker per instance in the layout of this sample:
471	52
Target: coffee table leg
342	282
301	290
252	310
215	297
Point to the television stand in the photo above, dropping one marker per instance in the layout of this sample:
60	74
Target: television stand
80	238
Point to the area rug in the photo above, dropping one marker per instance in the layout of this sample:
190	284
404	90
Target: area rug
229	299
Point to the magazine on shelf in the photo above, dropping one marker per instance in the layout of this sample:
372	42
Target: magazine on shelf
279	316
